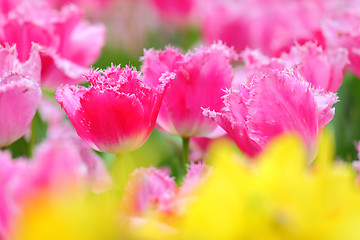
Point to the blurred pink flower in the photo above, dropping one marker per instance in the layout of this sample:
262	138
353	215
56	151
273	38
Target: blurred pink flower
19	92
200	78
356	164
51	113
175	11
199	147
118	112
152	190
149	189
343	31
65	158
7	5
65	153
14	185
61	162
92	8
323	69
277	102
68	45
195	175
273	26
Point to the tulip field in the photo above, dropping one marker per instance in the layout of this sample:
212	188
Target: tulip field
179	119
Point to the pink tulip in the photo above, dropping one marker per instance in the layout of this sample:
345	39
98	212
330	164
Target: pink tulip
68	45
19	93
7	5
14	185
323	69
194	177
118	112
149	189
273	104
61	162
65	159
199	147
92	8
273	26
200	79
356	164
343	31
175	11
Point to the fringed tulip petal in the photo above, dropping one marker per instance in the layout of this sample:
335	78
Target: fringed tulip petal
234	121
117	113
323	69
200	79
277	102
19	93
282	102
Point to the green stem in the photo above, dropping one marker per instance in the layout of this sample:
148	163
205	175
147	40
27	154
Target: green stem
33	137
185	148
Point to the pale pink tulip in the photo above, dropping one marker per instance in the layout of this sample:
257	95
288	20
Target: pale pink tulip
65	159
65	156
68	44
175	11
273	26
7	5
195	175
60	163
343	31
14	186
118	112
200	79
277	102
92	8
152	192
323	69
19	93
149	189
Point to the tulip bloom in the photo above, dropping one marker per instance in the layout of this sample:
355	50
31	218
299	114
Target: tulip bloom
272	26
343	31
175	11
200	79
149	188
273	104
19	93
323	69
68	44
14	184
118	112
65	159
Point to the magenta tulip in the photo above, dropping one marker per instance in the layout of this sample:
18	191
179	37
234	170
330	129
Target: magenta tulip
118	112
